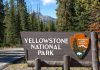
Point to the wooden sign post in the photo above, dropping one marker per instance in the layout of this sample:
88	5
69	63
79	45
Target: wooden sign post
66	62
60	49
37	64
94	51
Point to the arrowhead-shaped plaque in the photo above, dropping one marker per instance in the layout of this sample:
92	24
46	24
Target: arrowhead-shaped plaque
79	44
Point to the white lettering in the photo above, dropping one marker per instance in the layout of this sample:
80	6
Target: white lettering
46	52
26	40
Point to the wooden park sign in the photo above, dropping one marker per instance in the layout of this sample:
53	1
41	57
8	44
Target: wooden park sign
53	46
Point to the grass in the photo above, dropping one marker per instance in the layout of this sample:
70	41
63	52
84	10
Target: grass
22	65
25	67
12	46
72	68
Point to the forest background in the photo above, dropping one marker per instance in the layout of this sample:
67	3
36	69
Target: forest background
72	15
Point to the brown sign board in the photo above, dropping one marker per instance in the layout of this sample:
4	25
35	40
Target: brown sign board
52	46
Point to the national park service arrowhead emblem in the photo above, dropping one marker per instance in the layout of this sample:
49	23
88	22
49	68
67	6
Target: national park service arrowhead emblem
79	44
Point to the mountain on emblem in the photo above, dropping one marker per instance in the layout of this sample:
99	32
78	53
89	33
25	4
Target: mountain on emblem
79	44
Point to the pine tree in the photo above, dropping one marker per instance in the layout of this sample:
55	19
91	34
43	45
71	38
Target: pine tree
6	22
79	15
24	16
1	21
11	26
75	15
72	24
95	10
46	27
63	15
33	24
41	26
51	26
83	12
18	22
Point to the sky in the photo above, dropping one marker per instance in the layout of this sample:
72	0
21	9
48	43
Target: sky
47	7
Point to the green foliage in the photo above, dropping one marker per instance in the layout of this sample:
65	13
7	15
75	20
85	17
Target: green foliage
17	23
1	21
63	15
41	26
46	27
95	11
11	27
33	25
6	21
23	15
17	19
80	18
75	15
51	26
